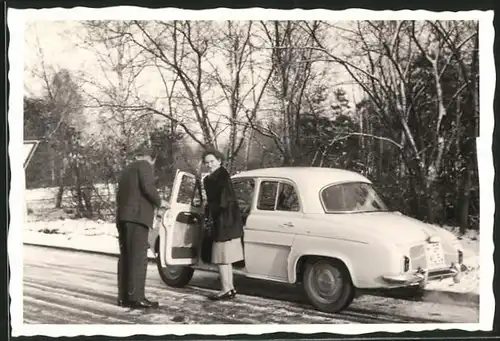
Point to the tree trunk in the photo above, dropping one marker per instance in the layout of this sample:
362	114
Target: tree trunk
417	191
464	203
60	191
468	151
468	147
380	159
59	196
248	148
362	154
78	193
434	207
52	170
87	199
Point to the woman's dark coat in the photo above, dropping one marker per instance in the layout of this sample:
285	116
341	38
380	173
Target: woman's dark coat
222	206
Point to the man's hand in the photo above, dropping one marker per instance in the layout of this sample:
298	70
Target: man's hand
165	204
161	211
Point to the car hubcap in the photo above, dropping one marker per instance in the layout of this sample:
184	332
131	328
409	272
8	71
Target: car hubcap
326	282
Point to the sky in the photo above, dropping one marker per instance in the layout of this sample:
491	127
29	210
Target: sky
53	43
50	40
48	43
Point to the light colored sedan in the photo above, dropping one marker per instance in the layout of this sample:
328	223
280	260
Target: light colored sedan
323	228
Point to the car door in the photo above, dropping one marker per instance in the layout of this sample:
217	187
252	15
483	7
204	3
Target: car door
182	224
154	232
272	224
244	188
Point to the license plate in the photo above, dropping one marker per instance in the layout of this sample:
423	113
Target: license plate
435	255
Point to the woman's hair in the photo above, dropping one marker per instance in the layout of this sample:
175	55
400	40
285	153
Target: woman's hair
218	155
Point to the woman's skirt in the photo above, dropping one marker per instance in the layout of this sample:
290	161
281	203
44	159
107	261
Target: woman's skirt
227	252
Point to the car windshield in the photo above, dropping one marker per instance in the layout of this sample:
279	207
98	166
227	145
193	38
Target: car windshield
351	197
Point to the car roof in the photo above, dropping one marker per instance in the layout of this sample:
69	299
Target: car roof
312	175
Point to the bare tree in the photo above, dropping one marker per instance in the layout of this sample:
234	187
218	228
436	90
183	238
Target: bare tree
242	90
389	62
116	87
201	66
292	57
457	38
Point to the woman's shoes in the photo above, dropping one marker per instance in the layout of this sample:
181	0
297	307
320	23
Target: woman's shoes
225	296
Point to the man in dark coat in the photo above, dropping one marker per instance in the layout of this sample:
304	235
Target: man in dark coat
136	200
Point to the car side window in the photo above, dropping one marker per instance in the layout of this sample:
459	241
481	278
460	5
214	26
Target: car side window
244	189
187	190
288	199
267	195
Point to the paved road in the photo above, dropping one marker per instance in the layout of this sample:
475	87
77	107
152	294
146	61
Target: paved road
79	288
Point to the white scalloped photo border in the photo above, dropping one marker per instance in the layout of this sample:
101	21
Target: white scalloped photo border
16	23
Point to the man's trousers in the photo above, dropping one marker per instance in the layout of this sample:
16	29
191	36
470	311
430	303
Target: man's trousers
133	260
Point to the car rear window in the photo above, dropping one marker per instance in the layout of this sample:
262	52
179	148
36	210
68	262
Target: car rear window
351	197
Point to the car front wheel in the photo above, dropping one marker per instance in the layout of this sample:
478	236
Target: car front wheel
177	276
328	285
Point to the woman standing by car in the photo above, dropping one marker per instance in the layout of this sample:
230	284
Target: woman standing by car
227	228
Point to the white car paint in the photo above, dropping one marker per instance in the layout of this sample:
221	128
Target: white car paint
371	245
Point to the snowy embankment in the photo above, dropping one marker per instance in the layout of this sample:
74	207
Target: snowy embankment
79	234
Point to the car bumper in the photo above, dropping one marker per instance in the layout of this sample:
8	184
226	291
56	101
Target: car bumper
422	276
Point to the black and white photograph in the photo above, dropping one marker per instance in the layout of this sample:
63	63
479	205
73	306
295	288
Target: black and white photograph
282	171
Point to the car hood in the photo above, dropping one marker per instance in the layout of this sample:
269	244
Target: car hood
394	226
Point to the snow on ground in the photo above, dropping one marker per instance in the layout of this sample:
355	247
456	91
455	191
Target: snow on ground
49	193
80	234
85	234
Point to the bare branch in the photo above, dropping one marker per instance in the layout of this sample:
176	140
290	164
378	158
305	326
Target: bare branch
374	137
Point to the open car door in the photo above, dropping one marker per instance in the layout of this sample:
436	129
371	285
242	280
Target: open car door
181	232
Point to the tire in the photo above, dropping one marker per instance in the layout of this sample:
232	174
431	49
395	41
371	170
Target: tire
328	285
177	276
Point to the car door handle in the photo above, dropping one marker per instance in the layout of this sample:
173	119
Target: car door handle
289	224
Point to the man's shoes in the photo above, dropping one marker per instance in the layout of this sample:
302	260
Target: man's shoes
123	302
154	304
143	304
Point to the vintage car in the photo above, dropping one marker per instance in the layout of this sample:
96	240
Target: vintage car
322	228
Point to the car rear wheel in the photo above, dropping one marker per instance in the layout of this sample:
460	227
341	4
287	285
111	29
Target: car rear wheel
327	285
177	276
